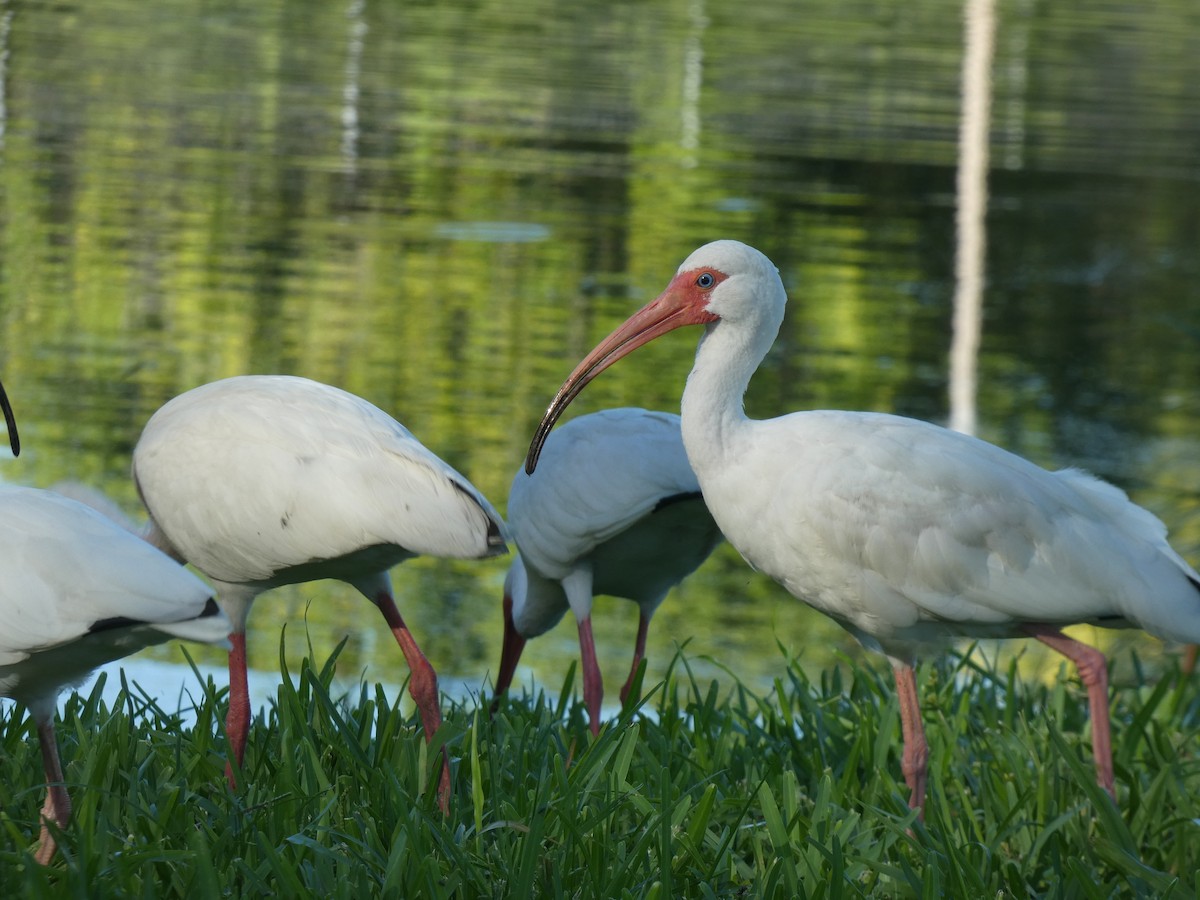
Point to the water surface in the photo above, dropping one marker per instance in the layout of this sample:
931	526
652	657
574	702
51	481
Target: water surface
442	208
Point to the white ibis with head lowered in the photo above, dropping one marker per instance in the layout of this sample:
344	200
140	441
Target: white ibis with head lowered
614	509
79	592
261	481
904	532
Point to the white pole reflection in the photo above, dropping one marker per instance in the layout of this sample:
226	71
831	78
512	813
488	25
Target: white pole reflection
350	88
693	81
5	28
972	209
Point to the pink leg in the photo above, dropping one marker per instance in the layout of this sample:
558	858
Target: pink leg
57	807
1093	672
639	652
914	762
237	720
422	685
593	686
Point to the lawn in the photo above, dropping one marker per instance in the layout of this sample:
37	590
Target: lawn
704	791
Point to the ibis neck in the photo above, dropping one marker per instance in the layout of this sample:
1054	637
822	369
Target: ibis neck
712	410
538	602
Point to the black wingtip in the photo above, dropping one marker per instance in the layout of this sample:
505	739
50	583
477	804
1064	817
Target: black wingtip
113	622
677	498
14	439
495	540
210	609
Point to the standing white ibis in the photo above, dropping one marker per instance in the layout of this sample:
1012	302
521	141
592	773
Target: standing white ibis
261	481
905	533
613	509
76	592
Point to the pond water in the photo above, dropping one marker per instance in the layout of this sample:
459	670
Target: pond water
442	207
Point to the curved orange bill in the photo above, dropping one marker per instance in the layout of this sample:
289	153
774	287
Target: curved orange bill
680	304
14	440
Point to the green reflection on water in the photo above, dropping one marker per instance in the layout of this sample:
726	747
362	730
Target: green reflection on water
196	192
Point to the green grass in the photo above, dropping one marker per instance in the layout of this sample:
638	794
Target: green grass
718	793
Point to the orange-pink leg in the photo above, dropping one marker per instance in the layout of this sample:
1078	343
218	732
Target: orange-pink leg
593	687
57	807
237	720
914	762
1093	672
422	685
639	652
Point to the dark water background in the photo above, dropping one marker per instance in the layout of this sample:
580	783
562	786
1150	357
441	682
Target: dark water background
442	207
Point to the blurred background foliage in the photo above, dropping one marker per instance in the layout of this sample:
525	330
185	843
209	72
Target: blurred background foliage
442	207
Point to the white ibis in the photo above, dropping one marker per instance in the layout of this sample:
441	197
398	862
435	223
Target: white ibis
77	592
906	533
613	509
261	481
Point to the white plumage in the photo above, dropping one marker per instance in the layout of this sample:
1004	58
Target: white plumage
913	533
615	509
906	533
77	592
261	481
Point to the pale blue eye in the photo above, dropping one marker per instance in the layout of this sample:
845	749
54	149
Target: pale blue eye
706	280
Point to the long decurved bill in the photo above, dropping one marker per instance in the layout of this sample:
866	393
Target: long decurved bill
14	440
510	653
682	303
